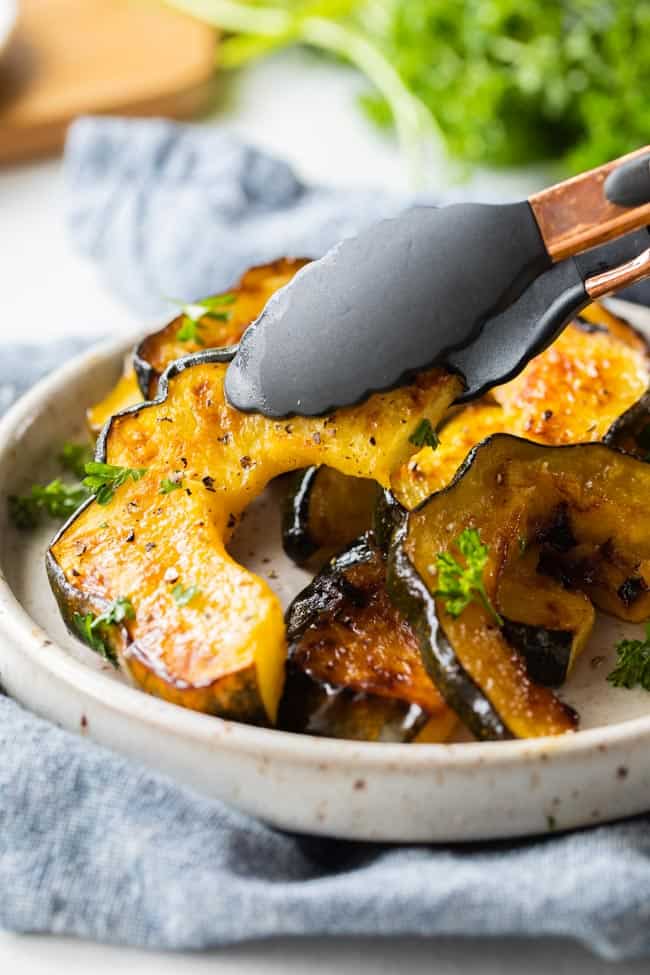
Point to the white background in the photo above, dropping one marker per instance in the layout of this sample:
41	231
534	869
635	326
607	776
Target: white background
303	109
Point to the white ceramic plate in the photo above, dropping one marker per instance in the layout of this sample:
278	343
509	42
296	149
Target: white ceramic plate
8	17
375	791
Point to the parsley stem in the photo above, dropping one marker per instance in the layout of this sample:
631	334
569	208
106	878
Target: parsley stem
487	604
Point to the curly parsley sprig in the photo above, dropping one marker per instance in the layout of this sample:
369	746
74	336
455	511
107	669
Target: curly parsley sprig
194	312
184	596
55	499
458	584
103	480
424	435
633	663
94	630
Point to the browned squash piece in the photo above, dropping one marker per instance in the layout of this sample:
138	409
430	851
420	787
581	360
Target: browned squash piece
323	512
355	669
613	578
249	296
574	391
571	393
430	470
546	622
580	504
207	633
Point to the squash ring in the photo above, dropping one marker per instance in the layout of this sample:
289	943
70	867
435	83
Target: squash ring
224	650
355	668
584	507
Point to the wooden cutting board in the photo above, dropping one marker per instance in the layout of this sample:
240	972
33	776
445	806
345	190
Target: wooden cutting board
74	57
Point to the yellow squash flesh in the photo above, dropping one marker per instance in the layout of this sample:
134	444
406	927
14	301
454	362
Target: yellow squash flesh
124	394
223	652
570	393
249	295
158	350
513	492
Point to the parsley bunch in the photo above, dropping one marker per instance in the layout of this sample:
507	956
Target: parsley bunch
511	83
505	82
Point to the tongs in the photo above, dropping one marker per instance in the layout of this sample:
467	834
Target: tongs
479	289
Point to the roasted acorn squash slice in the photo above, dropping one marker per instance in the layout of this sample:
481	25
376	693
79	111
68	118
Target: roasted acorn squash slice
124	394
249	296
157	351
323	512
546	622
585	506
354	667
571	393
223	649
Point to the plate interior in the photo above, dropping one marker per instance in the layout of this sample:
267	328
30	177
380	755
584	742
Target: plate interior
257	545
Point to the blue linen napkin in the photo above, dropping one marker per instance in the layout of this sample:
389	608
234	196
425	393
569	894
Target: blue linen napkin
180	211
97	846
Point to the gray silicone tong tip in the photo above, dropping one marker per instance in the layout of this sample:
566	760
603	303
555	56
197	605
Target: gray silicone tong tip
474	288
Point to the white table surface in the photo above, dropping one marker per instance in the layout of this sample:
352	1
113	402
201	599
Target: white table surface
303	109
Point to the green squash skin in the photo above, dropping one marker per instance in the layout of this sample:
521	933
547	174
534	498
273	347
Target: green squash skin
411	596
69	600
144	371
328	589
388	516
297	541
625	430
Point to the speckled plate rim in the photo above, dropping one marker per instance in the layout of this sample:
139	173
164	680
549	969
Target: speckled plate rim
29	637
